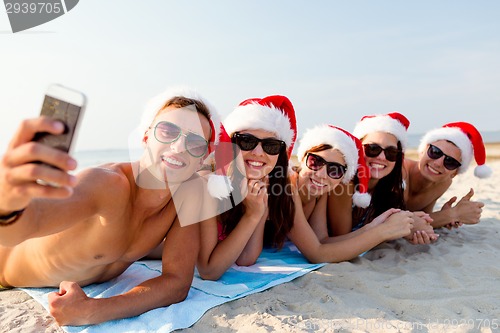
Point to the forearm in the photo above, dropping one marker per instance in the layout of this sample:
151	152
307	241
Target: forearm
227	251
342	248
254	246
442	218
347	236
151	294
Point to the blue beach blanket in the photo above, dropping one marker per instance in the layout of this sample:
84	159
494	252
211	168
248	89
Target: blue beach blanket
272	268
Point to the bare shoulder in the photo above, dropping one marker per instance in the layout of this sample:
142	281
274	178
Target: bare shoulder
107	179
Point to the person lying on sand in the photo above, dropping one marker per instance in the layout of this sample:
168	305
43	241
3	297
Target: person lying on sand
444	153
384	139
93	226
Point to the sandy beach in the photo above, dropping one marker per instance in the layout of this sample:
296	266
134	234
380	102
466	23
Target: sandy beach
450	286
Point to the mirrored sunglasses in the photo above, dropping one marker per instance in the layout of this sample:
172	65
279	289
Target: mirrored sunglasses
167	132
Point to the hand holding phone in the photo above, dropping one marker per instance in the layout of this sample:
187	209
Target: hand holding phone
66	105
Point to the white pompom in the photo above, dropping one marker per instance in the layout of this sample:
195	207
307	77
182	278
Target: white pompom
482	171
361	199
219	186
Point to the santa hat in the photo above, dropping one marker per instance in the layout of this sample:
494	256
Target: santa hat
350	147
219	184
468	139
158	102
393	123
273	113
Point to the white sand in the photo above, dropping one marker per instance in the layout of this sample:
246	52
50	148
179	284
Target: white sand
450	286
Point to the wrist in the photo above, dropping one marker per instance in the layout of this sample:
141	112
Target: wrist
253	217
453	215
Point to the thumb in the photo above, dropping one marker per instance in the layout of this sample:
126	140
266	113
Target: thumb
51	297
64	287
468	195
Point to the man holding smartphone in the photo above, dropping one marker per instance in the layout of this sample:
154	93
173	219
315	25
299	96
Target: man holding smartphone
92	226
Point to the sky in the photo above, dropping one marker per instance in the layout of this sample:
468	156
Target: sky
434	61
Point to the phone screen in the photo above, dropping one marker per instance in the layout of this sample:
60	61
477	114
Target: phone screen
66	113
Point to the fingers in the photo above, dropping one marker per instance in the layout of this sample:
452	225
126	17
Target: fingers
30	127
419	238
423	215
68	286
27	165
389	212
256	187
450	202
30	173
35	152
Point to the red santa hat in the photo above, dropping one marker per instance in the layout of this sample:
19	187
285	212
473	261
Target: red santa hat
158	102
350	147
393	123
272	113
468	139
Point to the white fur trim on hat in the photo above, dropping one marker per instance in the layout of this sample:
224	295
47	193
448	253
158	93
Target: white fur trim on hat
324	134
256	116
455	135
381	123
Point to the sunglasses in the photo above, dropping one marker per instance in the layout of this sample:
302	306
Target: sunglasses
167	132
373	150
449	162
333	169
248	142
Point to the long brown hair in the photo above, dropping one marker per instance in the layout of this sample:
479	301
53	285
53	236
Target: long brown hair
388	193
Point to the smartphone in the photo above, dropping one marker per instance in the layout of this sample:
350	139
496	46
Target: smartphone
66	105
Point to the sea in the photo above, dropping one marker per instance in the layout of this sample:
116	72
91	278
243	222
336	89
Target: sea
88	158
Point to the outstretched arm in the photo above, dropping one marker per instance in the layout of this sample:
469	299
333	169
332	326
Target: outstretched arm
464	212
72	307
19	172
395	224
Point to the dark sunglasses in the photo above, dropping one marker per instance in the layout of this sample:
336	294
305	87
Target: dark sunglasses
373	150
167	132
333	169
248	142
449	162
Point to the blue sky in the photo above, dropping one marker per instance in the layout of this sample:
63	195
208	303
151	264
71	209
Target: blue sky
434	61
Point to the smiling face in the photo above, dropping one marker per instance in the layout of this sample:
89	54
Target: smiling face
379	165
318	182
434	170
172	161
257	163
